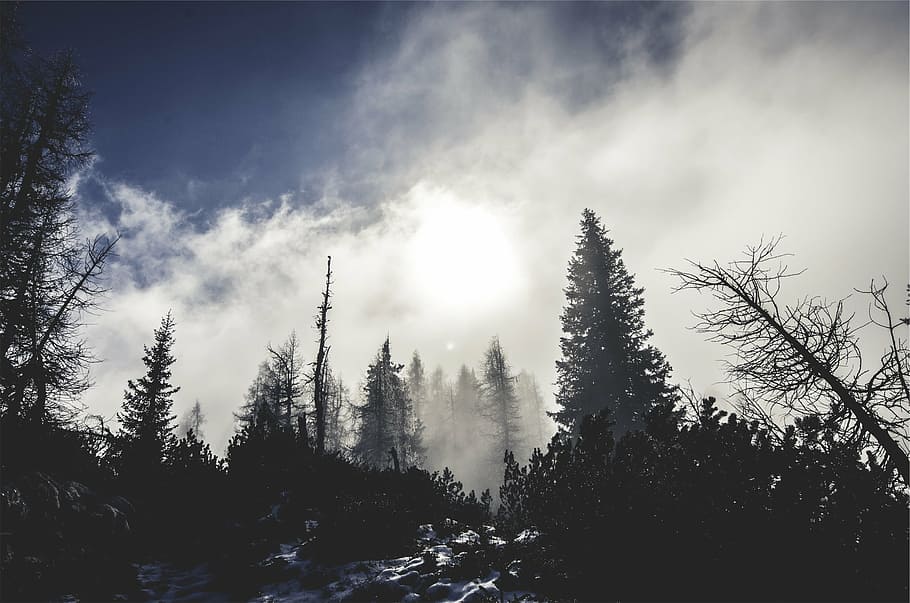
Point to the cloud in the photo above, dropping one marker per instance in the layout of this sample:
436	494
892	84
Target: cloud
475	139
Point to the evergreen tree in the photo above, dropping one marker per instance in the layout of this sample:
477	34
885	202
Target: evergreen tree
417	385
439	406
500	404
261	411
606	359
388	427
146	421
464	407
338	405
285	370
532	403
273	399
192	421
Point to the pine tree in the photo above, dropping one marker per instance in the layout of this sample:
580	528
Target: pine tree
387	421
500	404
285	368
533	407
439	404
417	385
192	421
146	421
606	359
463	407
338	406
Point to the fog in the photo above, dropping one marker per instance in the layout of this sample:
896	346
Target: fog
475	137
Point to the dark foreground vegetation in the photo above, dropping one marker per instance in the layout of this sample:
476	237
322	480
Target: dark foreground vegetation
643	494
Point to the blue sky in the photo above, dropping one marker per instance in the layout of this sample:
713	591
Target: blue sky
442	155
236	97
209	103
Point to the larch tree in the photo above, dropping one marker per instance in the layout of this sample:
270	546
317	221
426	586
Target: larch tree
193	420
49	276
606	360
417	385
285	367
464	407
500	403
528	392
146	419
337	412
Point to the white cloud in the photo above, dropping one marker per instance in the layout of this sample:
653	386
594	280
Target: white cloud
769	118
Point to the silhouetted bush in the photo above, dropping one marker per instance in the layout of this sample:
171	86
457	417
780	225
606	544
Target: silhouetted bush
708	509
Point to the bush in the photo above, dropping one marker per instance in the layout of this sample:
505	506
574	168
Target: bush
709	509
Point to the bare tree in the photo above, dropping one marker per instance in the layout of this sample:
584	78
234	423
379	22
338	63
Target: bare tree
320	390
49	275
286	369
805	358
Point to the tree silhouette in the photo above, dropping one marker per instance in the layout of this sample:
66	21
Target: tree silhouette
805	359
48	276
606	359
320	366
387	420
146	420
193	420
500	403
417	385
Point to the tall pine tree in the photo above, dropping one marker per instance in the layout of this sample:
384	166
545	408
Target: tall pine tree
387	420
146	421
606	359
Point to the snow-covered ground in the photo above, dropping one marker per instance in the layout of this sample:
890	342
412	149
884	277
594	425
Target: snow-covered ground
427	576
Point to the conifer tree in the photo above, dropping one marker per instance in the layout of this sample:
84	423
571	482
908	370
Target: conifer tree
500	404
49	276
533	407
387	421
285	365
417	385
464	406
606	359
193	420
146	421
338	406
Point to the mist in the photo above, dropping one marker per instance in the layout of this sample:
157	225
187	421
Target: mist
474	138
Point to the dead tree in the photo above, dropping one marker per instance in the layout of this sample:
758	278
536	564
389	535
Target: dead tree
805	359
319	367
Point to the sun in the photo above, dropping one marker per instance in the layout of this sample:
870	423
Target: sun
462	254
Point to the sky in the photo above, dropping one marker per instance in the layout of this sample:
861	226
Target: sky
442	154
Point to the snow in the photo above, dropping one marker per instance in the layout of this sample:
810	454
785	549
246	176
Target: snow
414	578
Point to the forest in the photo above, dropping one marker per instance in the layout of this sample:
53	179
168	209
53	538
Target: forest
418	485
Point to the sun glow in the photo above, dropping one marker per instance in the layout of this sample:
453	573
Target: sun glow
462	254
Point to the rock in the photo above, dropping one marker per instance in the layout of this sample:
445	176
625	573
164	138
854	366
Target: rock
409	579
411	598
467	537
438	591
